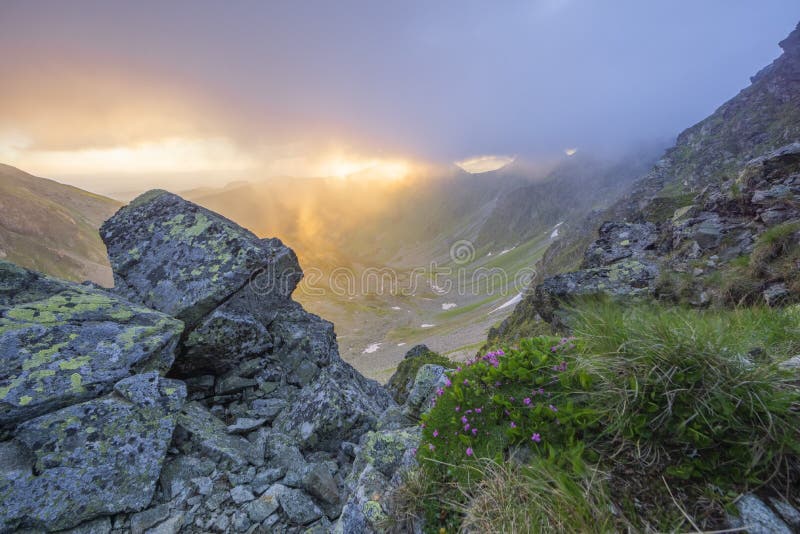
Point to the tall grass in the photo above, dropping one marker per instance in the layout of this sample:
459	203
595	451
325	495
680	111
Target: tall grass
697	392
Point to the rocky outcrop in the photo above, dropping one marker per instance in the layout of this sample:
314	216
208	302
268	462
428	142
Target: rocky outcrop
383	457
693	222
95	458
62	343
252	432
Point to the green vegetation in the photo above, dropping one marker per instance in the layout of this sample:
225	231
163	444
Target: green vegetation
407	370
650	418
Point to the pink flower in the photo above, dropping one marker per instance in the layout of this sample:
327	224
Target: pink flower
458	408
478	410
466	382
466	427
439	392
536	437
464	419
469	451
513	424
431	446
436	433
474	431
447	382
553	408
527	401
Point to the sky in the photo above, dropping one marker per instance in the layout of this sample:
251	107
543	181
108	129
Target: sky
112	94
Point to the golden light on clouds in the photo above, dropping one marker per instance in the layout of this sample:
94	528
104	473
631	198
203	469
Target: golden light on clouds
481	164
171	155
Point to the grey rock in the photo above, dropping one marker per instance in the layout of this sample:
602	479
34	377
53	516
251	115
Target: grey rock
791	364
172	525
100	525
757	517
331	410
264	479
222	280
221	524
378	467
429	377
240	522
63	343
145	519
95	458
788	513
776	294
620	240
318	481
299	507
204	485
178	471
211	437
242	494
233	384
267	408
260	509
243	425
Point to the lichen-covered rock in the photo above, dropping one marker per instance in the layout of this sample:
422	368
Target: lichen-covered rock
62	343
220	279
428	379
377	472
211	438
182	259
334	408
96	458
625	279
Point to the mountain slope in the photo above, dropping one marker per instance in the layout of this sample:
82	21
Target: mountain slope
52	228
714	222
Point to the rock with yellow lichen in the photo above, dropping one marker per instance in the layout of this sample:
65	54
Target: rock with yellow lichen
62	343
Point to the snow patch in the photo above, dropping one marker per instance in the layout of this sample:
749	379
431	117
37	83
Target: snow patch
508	303
372	348
426	325
449	305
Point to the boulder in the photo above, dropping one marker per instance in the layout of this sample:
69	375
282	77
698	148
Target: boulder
95	458
378	470
220	279
63	343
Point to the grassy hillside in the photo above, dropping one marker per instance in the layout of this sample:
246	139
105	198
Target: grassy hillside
648	419
52	227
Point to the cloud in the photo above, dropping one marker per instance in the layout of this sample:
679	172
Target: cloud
480	164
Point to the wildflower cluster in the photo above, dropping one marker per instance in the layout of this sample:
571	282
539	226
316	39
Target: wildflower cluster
527	397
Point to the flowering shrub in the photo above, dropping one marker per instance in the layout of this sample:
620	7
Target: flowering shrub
531	398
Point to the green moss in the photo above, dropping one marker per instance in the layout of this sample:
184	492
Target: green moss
25	400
